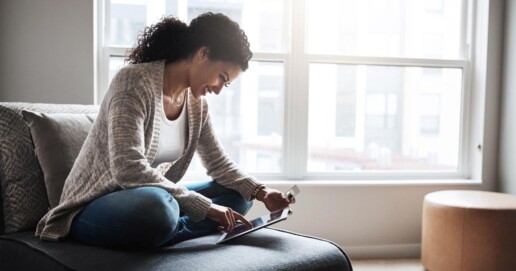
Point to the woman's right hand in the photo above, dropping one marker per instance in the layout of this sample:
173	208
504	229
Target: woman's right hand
226	217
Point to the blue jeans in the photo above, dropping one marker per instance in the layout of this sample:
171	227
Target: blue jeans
148	217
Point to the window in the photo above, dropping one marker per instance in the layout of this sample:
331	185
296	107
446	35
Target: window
336	88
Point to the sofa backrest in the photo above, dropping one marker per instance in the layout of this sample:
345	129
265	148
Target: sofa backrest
23	197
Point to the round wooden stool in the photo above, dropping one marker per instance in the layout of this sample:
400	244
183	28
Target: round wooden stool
469	230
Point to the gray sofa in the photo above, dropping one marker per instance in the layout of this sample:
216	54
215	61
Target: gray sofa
24	200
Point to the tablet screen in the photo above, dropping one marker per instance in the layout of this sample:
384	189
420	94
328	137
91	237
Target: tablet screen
258	223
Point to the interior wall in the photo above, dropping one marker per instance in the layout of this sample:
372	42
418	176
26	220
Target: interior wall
507	148
367	221
47	51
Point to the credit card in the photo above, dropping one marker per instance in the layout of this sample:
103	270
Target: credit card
292	192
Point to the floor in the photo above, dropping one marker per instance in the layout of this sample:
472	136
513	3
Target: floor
388	265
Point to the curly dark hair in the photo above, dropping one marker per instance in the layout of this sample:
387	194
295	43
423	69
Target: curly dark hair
171	39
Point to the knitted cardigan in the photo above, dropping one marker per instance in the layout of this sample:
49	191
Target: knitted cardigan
123	142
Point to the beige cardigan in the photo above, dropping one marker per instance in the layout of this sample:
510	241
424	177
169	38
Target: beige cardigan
122	145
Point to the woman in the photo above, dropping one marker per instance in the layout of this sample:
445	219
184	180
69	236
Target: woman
154	112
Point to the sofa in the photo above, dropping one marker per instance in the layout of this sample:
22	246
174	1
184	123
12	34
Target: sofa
34	159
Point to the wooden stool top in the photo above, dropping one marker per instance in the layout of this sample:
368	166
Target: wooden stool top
473	199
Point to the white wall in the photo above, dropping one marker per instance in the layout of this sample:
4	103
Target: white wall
507	159
47	51
367	221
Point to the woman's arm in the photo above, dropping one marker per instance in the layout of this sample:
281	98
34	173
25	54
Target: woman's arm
126	139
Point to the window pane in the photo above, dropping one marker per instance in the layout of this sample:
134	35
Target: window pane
248	118
384	118
126	18
392	28
262	21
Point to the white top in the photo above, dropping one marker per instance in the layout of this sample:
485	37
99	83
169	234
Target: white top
172	136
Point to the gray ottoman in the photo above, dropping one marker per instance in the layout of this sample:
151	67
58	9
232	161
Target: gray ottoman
266	249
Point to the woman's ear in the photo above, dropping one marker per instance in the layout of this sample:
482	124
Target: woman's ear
203	52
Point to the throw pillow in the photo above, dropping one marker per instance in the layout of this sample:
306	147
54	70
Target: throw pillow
57	140
24	197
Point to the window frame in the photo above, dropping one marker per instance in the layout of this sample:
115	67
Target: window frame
296	101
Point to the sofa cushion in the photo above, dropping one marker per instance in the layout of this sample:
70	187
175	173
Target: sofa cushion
57	139
2	227
266	249
24	195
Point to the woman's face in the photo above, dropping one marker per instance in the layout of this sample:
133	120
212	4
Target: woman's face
208	76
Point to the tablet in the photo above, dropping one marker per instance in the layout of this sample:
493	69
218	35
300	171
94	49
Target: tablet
258	223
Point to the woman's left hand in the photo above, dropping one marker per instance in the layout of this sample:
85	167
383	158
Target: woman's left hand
273	199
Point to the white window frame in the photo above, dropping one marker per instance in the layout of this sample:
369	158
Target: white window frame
473	62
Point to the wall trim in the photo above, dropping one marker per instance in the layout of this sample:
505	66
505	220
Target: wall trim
395	251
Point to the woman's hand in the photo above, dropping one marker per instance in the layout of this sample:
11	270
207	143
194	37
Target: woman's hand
226	217
273	199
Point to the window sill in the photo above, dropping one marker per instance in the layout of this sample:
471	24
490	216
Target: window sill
472	182
399	182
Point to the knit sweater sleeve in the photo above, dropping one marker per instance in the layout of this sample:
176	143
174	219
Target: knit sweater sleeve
127	114
218	164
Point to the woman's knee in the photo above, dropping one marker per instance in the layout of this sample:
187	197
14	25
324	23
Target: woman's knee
158	207
157	214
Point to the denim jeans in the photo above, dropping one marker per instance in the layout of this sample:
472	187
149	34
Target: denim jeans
148	217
